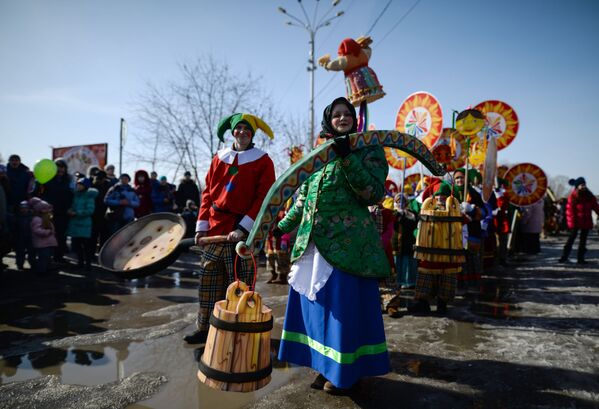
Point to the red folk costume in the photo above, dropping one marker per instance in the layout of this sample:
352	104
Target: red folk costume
236	183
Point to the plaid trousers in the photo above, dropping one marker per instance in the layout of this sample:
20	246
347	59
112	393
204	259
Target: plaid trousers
216	273
431	285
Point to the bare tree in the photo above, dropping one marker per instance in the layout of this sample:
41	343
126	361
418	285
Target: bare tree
559	185
180	118
290	131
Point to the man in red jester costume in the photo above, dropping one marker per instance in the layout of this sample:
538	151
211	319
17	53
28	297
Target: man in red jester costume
236	184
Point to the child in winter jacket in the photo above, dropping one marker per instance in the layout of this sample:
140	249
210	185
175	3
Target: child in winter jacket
405	224
42	234
80	222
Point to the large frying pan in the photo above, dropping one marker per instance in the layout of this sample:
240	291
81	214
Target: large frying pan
148	245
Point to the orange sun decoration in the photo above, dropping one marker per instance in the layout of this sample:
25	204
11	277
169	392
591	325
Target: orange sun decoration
419	115
501	121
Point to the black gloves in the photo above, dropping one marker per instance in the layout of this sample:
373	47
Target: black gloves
277	232
341	146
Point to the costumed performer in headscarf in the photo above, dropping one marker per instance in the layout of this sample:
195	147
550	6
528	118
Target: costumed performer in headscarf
333	322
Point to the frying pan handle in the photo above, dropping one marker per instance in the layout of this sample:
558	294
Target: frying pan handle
185	245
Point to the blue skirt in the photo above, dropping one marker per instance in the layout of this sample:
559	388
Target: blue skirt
340	334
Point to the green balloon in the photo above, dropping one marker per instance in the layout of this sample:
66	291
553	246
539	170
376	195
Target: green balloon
44	170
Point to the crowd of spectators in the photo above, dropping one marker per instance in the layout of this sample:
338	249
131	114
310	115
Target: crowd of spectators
76	213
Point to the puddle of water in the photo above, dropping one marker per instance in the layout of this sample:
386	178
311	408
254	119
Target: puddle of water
90	365
93	365
460	335
496	310
120	305
496	301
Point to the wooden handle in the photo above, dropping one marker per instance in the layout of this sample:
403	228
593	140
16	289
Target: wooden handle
428	204
243	306
232	290
202	241
452	205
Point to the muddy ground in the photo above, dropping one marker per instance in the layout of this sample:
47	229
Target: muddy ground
75	339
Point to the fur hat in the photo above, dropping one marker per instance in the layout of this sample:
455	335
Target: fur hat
40	206
577	182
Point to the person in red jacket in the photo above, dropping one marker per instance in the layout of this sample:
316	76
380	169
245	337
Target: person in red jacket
502	221
236	185
143	189
579	209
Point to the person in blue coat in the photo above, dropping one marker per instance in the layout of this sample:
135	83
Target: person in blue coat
121	200
163	196
80	222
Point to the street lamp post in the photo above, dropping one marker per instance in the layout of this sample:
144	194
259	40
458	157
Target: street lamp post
312	26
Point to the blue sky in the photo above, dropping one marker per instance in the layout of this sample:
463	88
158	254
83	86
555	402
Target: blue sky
70	69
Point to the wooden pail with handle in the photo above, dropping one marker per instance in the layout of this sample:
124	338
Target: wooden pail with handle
439	236
237	353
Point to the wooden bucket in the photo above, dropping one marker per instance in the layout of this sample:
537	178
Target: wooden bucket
439	236
237	353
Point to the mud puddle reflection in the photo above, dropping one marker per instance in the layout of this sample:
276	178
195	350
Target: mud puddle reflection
89	365
496	300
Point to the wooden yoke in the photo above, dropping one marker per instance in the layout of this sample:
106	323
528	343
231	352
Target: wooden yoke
297	174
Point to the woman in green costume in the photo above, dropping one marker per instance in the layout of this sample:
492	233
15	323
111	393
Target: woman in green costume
333	322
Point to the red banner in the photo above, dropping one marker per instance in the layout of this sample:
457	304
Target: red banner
80	158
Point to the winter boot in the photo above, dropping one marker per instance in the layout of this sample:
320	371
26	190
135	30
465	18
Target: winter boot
197	337
420	307
441	307
318	382
282	279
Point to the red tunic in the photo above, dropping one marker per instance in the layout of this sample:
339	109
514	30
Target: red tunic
236	185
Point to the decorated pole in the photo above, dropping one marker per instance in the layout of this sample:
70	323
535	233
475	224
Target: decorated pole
489	169
292	179
512	227
468	123
403	182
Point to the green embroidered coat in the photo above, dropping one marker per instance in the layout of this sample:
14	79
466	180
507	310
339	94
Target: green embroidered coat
332	210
